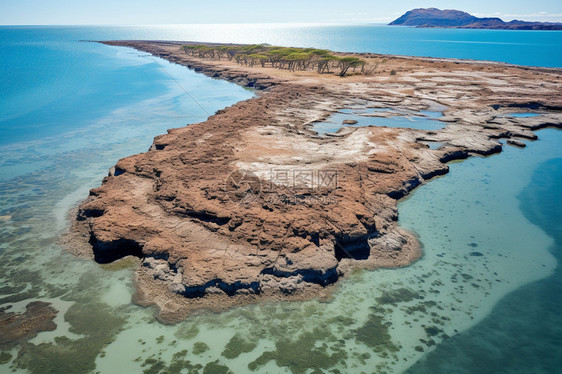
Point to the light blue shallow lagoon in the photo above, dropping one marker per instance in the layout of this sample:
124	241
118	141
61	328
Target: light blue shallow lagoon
422	120
522	115
484	298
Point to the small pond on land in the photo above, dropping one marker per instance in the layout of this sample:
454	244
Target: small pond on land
522	115
422	120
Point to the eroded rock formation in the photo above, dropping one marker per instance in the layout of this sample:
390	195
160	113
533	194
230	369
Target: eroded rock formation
253	203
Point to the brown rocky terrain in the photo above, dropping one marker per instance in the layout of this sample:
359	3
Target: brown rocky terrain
19	327
253	204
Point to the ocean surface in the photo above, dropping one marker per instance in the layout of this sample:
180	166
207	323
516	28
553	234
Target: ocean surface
484	298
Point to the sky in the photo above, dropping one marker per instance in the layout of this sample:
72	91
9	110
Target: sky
151	12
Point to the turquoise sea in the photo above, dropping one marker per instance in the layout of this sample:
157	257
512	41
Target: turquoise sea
484	298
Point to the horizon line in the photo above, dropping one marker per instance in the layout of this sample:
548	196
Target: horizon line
202	24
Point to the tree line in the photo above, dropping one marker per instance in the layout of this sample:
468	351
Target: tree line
292	59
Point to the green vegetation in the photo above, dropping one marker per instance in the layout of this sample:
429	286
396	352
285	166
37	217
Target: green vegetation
374	333
432	330
127	262
179	364
349	62
399	295
305	354
292	59
199	348
5	357
236	346
216	368
96	322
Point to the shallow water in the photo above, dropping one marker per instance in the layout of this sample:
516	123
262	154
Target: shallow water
57	142
523	334
522	115
434	145
479	243
422	120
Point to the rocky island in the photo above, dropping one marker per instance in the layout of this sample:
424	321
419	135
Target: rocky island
449	18
255	204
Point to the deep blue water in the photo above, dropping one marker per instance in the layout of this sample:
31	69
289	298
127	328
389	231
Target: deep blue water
70	108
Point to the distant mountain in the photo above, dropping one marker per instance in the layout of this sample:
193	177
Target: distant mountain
433	17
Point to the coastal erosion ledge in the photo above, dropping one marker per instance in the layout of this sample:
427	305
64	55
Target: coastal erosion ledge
253	204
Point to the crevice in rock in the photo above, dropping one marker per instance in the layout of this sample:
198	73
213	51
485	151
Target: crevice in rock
460	154
435	173
106	252
487	152
322	278
118	171
229	288
207	217
356	249
89	213
545	125
534	105
406	188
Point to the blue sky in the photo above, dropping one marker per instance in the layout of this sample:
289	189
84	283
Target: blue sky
143	12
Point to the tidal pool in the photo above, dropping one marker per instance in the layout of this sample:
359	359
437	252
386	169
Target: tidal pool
522	115
422	120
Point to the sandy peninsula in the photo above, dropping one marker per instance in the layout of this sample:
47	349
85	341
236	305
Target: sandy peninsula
253	204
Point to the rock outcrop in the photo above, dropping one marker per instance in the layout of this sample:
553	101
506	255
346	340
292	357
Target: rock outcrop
19	327
254	204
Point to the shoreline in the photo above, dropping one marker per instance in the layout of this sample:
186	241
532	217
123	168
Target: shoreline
546	69
164	269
